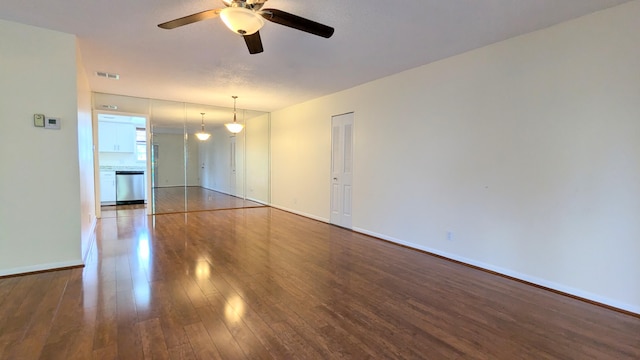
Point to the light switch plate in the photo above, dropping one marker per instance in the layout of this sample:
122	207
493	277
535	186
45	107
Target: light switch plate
38	120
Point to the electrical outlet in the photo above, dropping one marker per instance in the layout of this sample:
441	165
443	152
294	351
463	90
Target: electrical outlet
449	235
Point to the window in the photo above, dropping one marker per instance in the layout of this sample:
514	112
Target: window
141	144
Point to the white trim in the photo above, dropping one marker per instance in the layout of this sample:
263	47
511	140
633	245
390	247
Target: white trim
257	201
40	267
95	113
218	191
92	240
514	274
301	213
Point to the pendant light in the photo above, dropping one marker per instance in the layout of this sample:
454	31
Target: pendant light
234	127
202	135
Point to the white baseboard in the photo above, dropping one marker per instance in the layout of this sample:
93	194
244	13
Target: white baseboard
40	267
514	274
257	201
219	191
300	213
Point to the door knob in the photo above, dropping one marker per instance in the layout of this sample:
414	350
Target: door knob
336	179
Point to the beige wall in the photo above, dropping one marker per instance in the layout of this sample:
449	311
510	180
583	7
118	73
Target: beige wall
40	201
526	150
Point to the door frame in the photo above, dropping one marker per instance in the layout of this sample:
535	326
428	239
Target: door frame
96	157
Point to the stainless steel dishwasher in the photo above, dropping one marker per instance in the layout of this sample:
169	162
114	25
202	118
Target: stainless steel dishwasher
130	187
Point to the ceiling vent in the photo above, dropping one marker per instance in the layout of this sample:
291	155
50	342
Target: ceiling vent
107	75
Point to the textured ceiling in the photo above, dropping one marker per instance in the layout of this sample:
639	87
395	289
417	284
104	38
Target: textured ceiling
206	63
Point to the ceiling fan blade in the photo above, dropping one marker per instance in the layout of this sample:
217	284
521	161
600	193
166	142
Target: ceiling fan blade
254	43
204	15
297	22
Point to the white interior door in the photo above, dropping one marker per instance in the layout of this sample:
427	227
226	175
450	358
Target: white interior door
341	169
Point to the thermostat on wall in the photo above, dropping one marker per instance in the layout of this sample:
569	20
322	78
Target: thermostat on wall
52	123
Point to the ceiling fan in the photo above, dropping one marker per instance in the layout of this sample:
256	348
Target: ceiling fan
246	17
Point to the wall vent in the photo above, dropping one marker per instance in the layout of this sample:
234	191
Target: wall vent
107	75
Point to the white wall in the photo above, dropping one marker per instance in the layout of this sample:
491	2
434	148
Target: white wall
527	150
238	189
85	157
215	155
300	155
170	159
40	202
257	158
193	161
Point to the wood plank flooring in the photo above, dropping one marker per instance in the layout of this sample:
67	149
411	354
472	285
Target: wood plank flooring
259	283
111	211
194	198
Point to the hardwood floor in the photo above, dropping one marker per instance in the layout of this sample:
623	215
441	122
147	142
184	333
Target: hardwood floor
194	198
259	283
111	211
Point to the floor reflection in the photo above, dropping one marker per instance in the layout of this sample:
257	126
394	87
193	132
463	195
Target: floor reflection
142	291
195	198
234	309
143	248
113	211
180	199
203	270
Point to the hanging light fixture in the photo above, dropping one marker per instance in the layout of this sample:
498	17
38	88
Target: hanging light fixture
234	127
202	135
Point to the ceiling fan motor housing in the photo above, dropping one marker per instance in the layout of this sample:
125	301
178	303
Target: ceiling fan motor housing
249	4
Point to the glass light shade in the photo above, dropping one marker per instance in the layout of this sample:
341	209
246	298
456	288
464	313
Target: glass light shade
202	136
241	21
234	127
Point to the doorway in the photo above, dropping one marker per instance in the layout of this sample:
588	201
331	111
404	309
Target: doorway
342	169
121	143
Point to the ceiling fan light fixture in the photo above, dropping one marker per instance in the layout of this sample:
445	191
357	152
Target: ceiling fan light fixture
241	20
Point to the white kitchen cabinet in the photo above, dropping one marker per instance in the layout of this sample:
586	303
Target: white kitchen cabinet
107	187
116	137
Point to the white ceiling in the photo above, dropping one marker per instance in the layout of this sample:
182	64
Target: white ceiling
205	63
